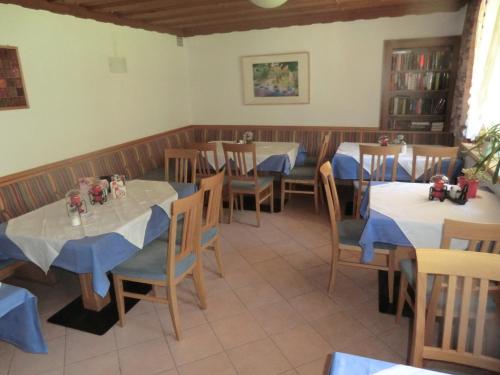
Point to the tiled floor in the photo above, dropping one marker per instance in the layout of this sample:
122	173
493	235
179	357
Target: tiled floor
269	315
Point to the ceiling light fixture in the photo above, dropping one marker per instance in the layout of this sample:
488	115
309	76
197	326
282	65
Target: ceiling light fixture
268	3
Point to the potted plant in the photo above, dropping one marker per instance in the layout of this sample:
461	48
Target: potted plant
488	147
471	177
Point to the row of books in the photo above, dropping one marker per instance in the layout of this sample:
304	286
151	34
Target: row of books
396	124
420	81
405	105
413	60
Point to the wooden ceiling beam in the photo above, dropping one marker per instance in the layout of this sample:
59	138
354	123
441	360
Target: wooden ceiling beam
125	6
81	12
322	17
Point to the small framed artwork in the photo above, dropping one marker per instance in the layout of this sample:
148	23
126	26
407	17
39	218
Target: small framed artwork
12	89
276	79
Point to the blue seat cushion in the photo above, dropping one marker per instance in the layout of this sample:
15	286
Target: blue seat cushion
350	233
302	172
409	268
6	263
150	263
262	183
208	235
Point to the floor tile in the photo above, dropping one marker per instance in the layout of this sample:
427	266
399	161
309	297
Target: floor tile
258	294
82	345
242	275
218	364
302	345
237	330
138	329
147	358
196	343
314	305
301	261
106	364
288	247
374	348
318	367
5	358
260	357
222	305
340	330
257	253
277	317
29	364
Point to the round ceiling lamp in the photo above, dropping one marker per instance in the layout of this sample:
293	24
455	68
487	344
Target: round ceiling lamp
268	3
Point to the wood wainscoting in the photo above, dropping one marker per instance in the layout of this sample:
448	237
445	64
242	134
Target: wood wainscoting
310	136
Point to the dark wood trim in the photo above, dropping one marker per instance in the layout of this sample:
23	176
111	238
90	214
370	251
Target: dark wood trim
5	180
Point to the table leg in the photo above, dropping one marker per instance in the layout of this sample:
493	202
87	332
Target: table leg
91	300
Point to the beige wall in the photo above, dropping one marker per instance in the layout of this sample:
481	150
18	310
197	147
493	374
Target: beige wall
345	69
76	104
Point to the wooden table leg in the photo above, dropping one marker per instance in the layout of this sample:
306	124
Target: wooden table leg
91	300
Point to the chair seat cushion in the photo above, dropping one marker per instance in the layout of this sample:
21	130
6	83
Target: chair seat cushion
150	263
262	183
208	235
350	233
302	172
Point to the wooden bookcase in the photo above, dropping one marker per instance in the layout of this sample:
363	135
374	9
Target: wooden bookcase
417	83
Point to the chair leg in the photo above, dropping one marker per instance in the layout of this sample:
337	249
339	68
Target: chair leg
120	300
282	194
218	257
403	285
354	201
199	284
271	198
316	198
173	306
333	269
257	207
241	202
390	275
156	290
231	206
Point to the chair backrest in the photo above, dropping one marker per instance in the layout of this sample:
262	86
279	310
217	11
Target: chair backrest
322	151
241	159
203	167
434	156
184	161
212	187
469	275
378	156
332	200
481	237
184	231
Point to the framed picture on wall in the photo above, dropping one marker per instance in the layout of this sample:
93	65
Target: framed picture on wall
276	79
12	89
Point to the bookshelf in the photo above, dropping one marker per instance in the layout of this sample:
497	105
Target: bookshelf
417	83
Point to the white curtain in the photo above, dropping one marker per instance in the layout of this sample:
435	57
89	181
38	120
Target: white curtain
484	101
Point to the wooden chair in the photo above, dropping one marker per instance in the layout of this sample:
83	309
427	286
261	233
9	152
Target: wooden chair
240	161
305	175
203	167
378	156
470	276
184	164
167	264
480	237
8	266
434	156
346	234
211	188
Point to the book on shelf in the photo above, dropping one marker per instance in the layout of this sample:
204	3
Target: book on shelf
428	81
437	126
420	60
420	125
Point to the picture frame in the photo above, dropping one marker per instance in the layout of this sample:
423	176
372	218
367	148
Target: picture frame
12	88
276	79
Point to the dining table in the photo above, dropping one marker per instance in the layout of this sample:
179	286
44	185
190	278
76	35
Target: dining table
401	214
350	364
19	320
345	164
279	157
108	235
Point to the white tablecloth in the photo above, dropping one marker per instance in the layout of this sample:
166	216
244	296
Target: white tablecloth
406	370
420	219
405	159
41	234
263	150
